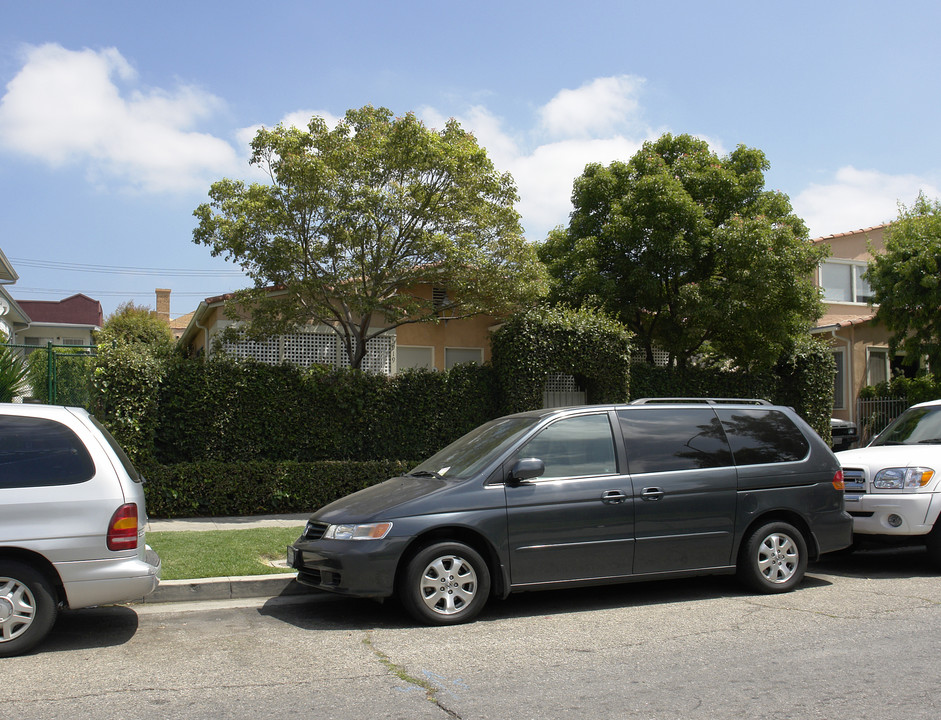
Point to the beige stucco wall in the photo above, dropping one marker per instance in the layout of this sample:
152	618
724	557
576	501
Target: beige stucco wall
857	333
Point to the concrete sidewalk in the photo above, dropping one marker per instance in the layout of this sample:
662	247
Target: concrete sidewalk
227	588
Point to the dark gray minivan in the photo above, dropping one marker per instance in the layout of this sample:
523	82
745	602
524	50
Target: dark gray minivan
587	495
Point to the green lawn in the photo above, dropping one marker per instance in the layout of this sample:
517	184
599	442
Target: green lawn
218	553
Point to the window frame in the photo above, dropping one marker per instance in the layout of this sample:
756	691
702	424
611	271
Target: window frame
856	269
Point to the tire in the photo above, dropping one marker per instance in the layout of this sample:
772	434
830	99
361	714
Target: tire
773	558
445	584
27	607
933	544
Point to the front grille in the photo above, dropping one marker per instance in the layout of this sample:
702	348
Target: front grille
854	481
315	530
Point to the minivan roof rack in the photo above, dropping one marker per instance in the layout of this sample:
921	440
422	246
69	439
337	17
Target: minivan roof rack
708	401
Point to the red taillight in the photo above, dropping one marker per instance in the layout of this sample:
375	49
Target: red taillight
838	480
122	531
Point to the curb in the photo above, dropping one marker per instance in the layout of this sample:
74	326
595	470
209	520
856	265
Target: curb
227	588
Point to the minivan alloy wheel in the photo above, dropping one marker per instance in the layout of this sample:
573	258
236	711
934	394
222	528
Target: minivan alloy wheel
449	584
773	558
27	607
17	608
778	558
445	584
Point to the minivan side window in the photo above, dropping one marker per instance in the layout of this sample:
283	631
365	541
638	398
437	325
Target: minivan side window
763	436
667	439
38	452
574	447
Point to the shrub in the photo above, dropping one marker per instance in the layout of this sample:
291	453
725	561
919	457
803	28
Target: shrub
12	373
584	343
257	487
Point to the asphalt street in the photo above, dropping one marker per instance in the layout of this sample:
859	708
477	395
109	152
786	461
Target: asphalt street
857	640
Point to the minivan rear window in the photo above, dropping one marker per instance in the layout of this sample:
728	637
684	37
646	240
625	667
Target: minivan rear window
763	436
35	452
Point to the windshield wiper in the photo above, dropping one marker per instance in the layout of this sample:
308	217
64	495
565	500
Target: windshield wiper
426	473
931	441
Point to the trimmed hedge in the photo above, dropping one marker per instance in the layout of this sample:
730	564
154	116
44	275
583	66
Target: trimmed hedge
583	343
233	411
803	380
257	487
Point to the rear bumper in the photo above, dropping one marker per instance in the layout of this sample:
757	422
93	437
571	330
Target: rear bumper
834	532
101	582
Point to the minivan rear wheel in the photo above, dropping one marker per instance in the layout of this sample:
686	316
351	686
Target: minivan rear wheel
27	607
773	558
445	584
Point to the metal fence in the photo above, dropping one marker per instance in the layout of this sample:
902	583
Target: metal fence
61	375
874	414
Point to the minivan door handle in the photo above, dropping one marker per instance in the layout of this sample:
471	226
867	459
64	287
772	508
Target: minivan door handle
651	493
613	497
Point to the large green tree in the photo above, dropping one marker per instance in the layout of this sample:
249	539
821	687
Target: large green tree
906	282
690	251
356	216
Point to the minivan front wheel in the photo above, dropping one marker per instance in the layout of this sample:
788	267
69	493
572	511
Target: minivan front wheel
773	558
27	607
445	584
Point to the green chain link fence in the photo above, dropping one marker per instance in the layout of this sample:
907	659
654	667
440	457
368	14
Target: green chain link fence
58	374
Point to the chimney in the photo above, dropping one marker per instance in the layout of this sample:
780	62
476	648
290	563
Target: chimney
163	304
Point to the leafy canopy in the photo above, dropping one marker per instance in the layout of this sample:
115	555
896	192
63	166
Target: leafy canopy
135	324
354	218
689	251
906	282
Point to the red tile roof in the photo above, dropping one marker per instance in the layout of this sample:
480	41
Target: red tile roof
75	310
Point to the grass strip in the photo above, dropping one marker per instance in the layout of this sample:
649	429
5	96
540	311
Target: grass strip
191	554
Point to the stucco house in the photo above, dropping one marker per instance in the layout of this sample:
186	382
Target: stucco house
860	346
439	345
62	322
12	317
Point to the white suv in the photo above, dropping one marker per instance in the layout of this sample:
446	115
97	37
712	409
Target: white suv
72	521
893	486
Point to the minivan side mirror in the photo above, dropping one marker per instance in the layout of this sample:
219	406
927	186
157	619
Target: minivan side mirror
526	469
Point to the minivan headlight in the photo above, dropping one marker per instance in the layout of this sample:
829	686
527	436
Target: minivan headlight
910	478
372	531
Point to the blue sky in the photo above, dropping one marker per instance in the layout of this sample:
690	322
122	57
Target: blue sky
115	117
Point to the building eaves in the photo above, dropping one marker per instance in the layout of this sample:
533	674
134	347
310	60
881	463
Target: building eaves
825	238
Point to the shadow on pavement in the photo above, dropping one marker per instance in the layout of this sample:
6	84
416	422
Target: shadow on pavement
326	611
878	562
90	628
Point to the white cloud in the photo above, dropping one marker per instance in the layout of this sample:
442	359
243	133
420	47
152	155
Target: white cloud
85	107
599	122
857	199
601	107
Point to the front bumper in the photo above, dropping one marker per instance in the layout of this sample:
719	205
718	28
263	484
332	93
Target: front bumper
360	568
871	513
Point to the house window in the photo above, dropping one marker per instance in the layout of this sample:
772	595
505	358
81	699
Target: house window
844	282
877	365
456	356
72	341
407	357
839	380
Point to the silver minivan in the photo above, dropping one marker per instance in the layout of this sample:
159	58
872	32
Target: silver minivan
72	521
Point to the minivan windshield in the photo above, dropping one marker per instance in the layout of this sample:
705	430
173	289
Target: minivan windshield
915	426
469	454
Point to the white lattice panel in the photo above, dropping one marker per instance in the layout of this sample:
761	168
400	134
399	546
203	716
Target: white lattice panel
314	348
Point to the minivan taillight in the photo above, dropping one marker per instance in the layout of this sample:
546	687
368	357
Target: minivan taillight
122	531
838	480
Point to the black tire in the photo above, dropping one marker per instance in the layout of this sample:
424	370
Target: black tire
27	607
445	584
933	544
773	559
